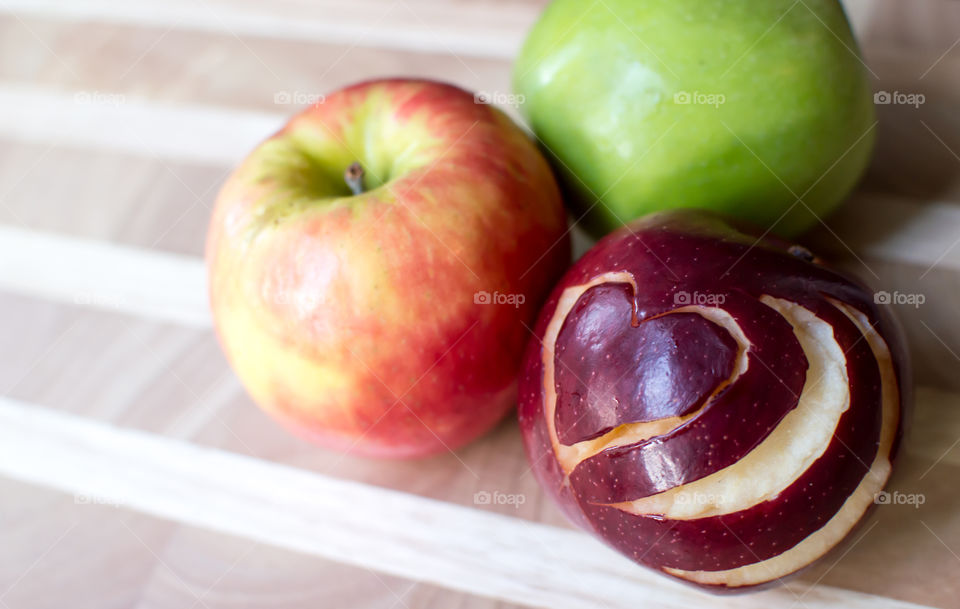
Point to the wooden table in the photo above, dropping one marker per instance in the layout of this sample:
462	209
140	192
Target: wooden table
136	472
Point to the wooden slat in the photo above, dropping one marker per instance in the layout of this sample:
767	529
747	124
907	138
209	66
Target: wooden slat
899	231
482	28
485	28
396	533
164	380
489	29
171	287
215	69
935	424
81	119
154	285
910	159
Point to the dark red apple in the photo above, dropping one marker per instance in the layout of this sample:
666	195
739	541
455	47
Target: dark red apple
719	407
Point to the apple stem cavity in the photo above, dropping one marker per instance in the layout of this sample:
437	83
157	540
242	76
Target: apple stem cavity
353	176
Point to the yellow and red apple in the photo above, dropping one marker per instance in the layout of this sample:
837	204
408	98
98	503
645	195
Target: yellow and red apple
719	407
350	256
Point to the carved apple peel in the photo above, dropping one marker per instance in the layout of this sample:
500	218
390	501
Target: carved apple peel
764	438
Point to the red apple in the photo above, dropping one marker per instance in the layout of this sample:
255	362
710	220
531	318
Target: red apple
346	255
718	407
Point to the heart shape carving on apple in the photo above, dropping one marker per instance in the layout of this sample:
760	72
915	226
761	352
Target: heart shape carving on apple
624	375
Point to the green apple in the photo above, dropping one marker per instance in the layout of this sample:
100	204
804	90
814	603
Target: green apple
758	109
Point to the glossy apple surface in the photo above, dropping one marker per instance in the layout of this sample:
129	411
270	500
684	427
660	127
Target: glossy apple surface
718	407
354	319
739	107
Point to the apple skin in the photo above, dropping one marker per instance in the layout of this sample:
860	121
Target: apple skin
352	319
627	420
604	85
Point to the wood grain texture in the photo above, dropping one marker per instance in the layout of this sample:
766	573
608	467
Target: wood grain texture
387	531
482	27
120	121
159	286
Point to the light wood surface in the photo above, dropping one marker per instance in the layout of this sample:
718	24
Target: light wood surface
386	531
118	122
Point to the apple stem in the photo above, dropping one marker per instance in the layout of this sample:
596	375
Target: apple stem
353	176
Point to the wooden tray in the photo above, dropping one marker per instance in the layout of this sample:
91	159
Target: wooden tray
136	473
